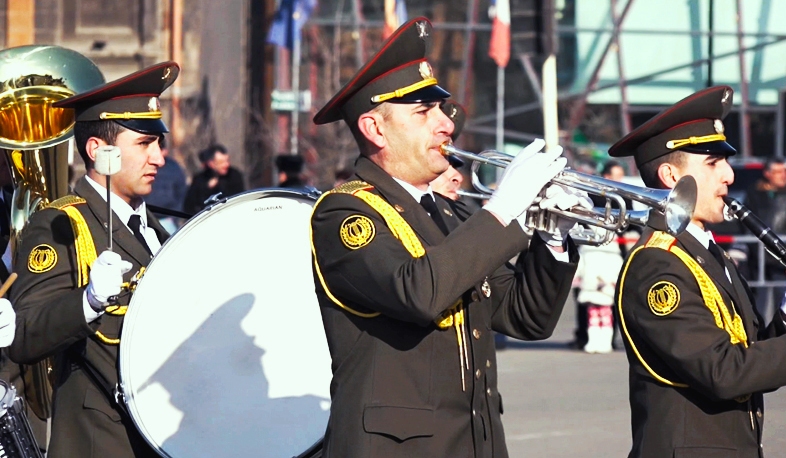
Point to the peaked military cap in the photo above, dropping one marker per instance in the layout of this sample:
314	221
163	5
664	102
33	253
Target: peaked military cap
694	125
397	73
458	115
131	101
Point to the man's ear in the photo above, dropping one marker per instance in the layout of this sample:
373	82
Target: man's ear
371	125
669	175
91	145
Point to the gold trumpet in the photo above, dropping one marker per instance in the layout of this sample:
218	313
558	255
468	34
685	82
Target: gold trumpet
676	204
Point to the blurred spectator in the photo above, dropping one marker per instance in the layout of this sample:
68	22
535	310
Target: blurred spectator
169	188
342	176
599	268
217	176
767	199
290	166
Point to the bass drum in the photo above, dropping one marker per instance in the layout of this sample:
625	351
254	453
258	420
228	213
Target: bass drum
223	352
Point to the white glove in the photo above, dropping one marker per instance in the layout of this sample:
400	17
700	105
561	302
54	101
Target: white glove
563	198
106	278
7	323
523	179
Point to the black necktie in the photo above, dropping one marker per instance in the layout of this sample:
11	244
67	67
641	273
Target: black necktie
135	223
427	202
715	250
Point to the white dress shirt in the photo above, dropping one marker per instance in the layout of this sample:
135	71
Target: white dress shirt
123	211
704	237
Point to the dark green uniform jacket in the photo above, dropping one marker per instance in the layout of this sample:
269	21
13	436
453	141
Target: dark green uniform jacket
714	407
51	322
397	377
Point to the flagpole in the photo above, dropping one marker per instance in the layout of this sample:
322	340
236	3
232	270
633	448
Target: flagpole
500	108
293	142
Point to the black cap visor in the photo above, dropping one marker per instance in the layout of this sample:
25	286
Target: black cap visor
718	147
144	126
427	94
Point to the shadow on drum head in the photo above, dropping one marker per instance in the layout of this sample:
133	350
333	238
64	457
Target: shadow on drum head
258	425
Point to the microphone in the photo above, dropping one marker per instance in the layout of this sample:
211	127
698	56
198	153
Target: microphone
772	242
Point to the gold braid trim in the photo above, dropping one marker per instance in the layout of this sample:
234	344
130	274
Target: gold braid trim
66	201
714	301
396	223
679	143
452	317
709	292
85	252
624	326
401	92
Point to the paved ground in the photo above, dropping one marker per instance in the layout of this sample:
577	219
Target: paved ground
563	403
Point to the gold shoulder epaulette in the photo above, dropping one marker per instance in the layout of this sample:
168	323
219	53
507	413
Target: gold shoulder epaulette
351	187
661	239
66	201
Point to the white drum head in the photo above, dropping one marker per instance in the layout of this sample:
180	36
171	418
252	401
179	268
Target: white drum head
223	352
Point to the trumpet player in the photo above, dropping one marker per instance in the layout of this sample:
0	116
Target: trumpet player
700	358
409	292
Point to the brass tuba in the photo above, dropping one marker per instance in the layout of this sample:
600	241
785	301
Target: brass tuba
34	139
35	136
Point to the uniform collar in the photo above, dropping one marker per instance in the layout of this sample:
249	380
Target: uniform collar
119	206
701	236
416	193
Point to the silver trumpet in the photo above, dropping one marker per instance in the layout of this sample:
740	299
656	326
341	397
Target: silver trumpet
676	204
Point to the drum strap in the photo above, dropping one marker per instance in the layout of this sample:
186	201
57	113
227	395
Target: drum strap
709	292
111	393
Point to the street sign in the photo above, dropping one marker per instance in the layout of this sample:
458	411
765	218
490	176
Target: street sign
285	100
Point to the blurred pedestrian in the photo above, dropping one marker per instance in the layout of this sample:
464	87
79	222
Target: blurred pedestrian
599	267
217	176
596	279
290	166
169	189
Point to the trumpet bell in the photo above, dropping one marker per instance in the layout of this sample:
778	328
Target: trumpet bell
680	204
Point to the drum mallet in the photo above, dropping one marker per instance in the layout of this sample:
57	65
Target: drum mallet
108	163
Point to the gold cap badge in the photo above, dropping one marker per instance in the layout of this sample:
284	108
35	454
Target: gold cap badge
357	231
425	70
42	259
663	298
153	104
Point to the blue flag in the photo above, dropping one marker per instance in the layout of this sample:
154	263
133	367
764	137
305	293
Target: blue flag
289	21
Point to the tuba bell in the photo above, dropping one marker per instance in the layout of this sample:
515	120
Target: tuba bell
35	142
34	136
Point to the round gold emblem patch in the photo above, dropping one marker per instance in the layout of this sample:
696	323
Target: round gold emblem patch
663	297
42	259
357	231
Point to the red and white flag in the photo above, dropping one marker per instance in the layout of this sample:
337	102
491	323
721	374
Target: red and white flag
499	48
